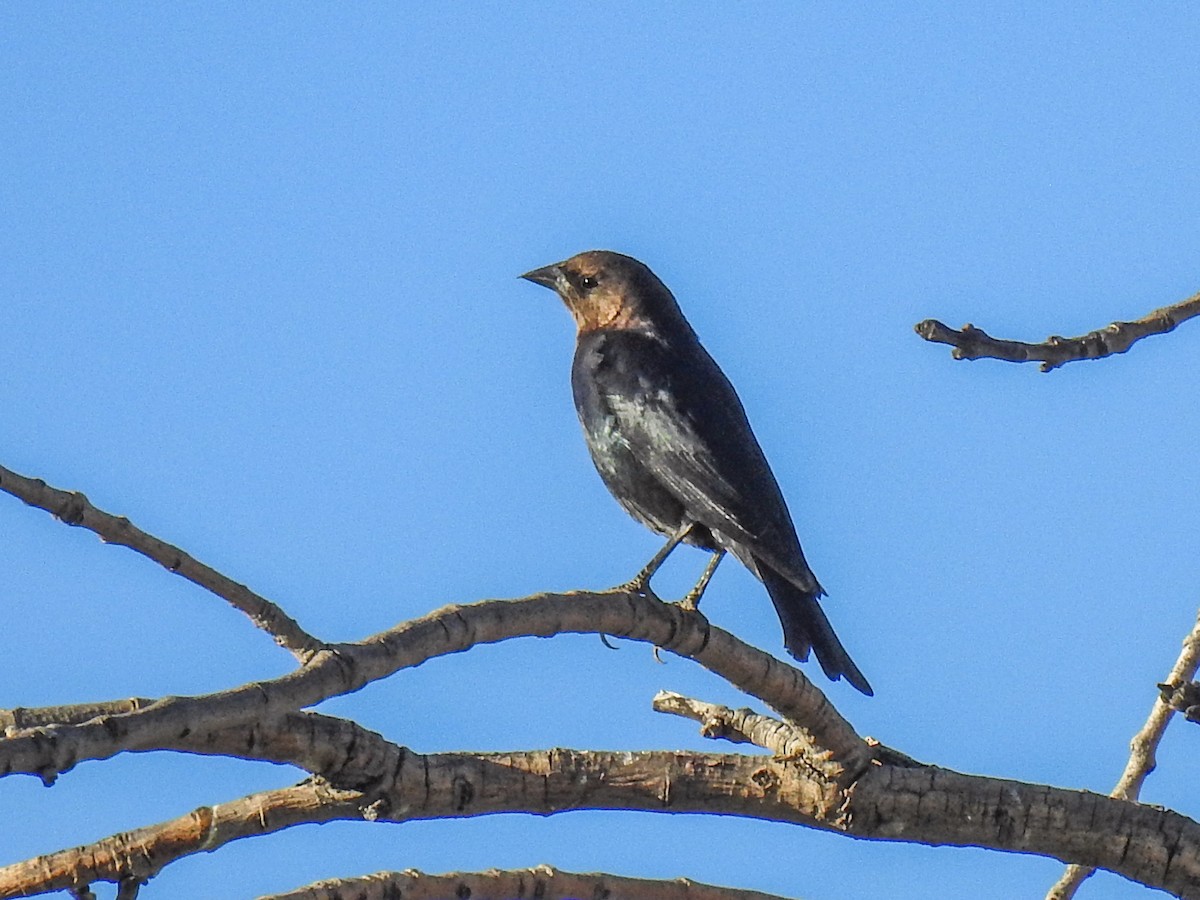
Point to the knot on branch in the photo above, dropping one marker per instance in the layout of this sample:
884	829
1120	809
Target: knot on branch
765	779
71	511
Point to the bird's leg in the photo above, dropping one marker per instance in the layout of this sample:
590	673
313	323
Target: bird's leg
640	583
691	600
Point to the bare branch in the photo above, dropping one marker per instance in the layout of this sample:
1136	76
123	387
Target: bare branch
74	508
20	717
824	775
1145	743
443	786
1142	751
540	883
738	726
975	343
1156	847
339	750
837	749
142	853
744	726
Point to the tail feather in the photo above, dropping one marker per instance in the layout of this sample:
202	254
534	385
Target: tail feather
805	627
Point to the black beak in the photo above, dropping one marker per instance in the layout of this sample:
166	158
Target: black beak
547	276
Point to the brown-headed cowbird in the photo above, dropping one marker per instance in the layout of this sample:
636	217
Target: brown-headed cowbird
669	437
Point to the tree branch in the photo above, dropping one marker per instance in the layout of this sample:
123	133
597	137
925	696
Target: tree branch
540	883
925	804
19	718
73	508
738	726
339	750
975	343
836	748
745	726
823	776
1142	751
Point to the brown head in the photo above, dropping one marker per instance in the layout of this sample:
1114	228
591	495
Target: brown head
609	290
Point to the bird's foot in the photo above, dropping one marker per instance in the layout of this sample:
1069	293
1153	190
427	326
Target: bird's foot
604	641
639	586
690	600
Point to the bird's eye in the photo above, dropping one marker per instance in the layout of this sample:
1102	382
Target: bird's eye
587	282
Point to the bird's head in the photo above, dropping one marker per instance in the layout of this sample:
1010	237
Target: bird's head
606	290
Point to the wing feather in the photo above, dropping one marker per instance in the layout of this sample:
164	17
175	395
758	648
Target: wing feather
684	420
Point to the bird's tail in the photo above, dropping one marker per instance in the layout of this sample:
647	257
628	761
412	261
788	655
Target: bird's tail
805	627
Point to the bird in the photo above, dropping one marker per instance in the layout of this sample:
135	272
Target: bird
671	441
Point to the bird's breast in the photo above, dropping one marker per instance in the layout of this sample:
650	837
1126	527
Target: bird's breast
634	485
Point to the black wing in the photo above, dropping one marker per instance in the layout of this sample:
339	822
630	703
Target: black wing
684	421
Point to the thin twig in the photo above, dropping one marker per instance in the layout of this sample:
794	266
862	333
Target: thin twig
975	343
539	883
74	508
1142	751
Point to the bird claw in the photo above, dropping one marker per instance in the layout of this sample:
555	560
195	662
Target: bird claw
639	586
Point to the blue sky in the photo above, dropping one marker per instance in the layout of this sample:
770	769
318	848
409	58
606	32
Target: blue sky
259	286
